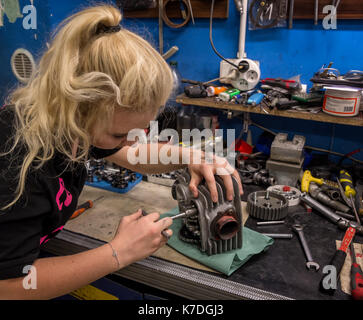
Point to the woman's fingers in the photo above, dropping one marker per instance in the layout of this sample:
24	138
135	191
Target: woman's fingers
194	183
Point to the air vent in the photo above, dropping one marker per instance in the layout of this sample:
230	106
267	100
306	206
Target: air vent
23	65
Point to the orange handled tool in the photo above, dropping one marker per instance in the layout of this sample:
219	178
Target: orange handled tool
83	207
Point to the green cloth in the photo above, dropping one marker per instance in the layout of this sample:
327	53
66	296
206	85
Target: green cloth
227	263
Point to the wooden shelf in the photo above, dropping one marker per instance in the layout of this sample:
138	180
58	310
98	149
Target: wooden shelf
201	9
321	116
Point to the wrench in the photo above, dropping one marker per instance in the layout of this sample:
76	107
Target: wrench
310	264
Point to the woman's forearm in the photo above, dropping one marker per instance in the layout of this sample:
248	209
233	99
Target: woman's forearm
57	276
153	158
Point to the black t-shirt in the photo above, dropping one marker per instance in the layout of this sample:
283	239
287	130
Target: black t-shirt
50	198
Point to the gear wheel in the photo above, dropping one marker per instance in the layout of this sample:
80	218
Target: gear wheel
267	205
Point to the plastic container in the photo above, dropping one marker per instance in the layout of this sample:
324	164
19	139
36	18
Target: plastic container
342	102
177	87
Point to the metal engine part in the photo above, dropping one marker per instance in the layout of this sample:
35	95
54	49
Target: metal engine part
286	159
316	192
216	227
267	205
287	151
291	194
341	222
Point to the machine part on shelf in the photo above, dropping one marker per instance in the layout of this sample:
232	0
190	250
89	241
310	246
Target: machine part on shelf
291	194
341	222
217	227
269	223
195	91
319	195
286	159
267	205
279	235
310	264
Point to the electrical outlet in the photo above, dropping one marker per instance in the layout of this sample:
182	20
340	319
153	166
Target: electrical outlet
244	80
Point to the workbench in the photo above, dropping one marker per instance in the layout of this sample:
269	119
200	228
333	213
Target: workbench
278	273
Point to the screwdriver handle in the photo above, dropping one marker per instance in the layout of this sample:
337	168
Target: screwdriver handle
339	258
347	183
356	277
82	208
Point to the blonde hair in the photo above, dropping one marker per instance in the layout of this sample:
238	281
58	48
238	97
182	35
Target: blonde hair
81	79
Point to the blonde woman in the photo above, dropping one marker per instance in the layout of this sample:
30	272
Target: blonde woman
95	83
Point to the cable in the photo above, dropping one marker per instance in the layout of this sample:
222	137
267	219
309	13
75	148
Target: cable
211	38
171	24
347	156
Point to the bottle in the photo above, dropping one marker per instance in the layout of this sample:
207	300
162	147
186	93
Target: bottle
177	87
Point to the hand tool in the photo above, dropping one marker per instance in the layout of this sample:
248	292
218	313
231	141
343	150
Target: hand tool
347	184
310	264
307	178
268	223
279	235
319	195
291	14
191	11
341	222
83	207
281	83
316	12
338	259
164	233
185	214
356	276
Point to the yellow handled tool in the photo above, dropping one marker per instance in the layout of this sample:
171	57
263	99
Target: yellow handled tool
346	181
307	178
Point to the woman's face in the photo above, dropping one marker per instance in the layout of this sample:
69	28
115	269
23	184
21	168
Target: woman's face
115	135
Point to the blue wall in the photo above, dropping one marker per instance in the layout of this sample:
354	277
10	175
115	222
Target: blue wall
281	52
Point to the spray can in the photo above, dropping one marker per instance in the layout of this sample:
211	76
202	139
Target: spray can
213	91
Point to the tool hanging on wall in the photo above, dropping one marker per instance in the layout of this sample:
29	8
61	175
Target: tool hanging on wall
267	14
185	9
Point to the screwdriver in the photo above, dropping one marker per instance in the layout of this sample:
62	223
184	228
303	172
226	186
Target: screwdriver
356	277
164	233
349	191
83	207
339	258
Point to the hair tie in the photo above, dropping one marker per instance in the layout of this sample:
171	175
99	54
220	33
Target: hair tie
108	29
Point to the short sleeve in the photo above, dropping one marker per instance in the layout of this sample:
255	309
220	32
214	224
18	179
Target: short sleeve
98	153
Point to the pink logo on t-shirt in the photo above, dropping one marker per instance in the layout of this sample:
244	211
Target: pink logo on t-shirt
68	200
46	238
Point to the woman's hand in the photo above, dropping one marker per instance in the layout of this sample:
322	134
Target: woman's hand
139	236
209	167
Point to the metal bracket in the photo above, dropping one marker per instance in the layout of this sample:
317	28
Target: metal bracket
246	121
